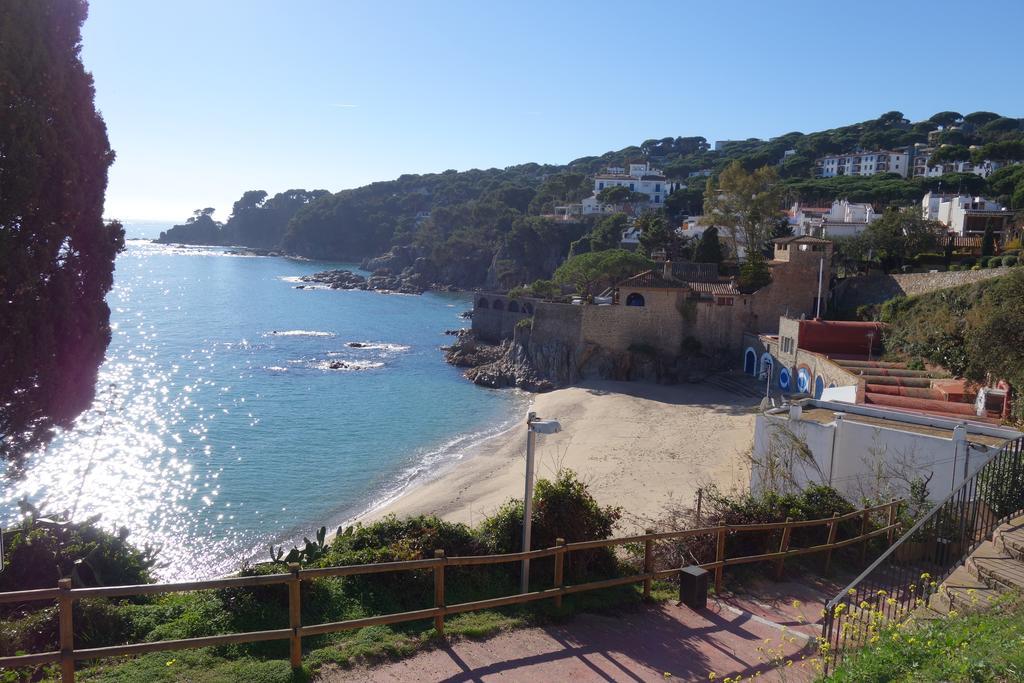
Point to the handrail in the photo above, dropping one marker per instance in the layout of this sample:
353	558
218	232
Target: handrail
66	595
891	587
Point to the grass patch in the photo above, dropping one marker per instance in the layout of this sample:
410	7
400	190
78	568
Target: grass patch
976	647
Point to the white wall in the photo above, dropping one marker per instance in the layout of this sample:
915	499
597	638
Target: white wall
860	459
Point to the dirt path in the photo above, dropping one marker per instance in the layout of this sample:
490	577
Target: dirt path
652	643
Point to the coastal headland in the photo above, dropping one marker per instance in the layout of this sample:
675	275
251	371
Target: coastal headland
645	447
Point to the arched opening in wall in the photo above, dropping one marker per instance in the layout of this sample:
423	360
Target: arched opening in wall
785	379
499	305
819	386
635	299
528	308
482	304
803	380
513	307
750	362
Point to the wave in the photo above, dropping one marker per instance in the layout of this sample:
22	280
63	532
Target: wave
346	365
298	333
430	464
377	346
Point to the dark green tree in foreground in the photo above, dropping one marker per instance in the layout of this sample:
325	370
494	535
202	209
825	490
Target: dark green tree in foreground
56	254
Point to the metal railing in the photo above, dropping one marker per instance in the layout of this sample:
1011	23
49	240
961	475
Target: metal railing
66	595
906	576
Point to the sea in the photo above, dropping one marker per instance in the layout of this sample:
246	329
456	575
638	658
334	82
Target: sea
235	411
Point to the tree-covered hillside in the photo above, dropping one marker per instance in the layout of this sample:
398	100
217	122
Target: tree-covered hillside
487	227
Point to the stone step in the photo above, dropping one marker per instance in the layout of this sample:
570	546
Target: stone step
963	592
1009	538
995	568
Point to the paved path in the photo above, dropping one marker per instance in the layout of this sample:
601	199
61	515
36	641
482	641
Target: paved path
650	643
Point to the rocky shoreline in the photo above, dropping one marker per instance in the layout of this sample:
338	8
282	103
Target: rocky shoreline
536	366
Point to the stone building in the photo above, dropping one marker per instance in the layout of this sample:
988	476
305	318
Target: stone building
666	309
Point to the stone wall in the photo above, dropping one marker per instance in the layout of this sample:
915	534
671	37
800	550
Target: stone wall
876	289
493	320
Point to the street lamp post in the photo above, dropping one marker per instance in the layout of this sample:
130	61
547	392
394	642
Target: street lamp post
534	426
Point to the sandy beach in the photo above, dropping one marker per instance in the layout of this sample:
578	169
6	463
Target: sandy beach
641	446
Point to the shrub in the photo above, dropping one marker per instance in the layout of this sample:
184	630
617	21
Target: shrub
994	262
983	262
816	502
977	267
45	549
1010	260
524	323
968	262
930	259
563	508
954	267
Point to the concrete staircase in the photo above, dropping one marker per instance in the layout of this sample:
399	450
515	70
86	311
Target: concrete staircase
737	383
996	567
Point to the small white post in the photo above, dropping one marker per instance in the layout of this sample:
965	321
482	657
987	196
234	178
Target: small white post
531	444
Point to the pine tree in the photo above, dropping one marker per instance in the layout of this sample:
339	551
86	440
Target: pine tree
56	254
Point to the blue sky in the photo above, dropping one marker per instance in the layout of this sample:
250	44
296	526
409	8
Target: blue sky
206	99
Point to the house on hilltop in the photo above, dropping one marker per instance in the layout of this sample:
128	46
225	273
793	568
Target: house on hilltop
639	177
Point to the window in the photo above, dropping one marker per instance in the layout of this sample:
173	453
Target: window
724	301
657	199
600	186
635	299
632	187
657	187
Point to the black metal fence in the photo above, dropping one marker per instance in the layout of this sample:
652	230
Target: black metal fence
909	573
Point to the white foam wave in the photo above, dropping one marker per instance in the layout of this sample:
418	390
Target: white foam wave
348	365
377	346
298	333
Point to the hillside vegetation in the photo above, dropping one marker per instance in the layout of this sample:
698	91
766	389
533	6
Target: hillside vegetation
976	331
486	227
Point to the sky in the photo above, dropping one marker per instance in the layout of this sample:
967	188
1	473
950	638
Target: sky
204	99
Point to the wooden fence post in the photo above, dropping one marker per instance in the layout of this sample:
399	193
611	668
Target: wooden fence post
833	527
864	524
719	558
65	605
787	531
295	615
559	568
439	591
893	511
648	561
700	501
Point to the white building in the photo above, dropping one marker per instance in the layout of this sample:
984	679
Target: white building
868	451
965	215
694	226
863	164
920	167
842	219
639	177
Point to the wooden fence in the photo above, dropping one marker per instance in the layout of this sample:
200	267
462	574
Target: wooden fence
65	595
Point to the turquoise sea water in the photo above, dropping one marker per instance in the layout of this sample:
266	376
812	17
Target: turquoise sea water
219	426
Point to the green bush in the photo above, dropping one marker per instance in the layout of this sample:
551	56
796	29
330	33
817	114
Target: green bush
1010	260
954	267
47	548
994	262
816	502
968	262
930	259
983	262
524	323
976	267
563	508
